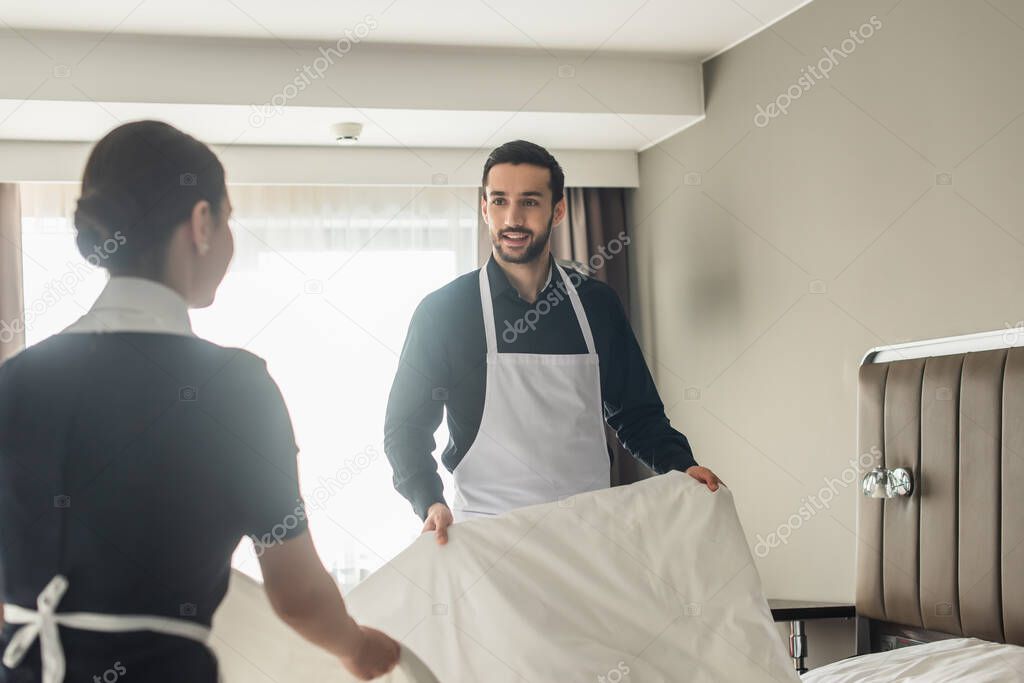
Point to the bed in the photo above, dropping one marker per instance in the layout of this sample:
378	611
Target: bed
655	581
940	572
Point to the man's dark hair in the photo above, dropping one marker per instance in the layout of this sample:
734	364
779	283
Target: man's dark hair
140	182
523	152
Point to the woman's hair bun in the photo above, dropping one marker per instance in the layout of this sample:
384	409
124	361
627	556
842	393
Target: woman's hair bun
140	182
102	213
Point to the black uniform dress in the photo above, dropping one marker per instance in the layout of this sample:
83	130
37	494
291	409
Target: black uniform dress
133	463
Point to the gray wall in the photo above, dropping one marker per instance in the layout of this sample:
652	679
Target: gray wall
886	205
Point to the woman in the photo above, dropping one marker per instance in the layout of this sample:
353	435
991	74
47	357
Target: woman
134	455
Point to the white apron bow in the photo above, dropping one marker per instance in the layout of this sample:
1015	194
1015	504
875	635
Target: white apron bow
43	622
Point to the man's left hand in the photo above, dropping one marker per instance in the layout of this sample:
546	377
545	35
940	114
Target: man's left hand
705	476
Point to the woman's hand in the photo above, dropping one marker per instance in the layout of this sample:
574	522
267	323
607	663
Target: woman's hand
374	655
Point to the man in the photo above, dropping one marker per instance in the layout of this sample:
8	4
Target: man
529	362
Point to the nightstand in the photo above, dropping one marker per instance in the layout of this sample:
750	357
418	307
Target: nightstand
796	612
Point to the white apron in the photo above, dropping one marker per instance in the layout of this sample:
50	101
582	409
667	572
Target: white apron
541	436
43	621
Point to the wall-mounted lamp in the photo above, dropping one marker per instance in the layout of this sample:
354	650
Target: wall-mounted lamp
885	483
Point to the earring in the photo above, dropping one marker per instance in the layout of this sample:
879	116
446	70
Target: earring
203	248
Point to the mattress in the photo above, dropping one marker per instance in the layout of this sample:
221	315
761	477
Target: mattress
965	660
650	582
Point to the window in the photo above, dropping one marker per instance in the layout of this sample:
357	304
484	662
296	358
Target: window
323	285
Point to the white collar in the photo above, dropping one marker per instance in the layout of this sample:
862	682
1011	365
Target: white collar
132	304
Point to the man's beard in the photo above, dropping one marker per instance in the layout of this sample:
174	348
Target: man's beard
531	253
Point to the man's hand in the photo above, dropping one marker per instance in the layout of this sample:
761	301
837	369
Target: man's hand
439	518
705	476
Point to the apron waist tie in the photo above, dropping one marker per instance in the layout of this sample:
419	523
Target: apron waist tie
43	621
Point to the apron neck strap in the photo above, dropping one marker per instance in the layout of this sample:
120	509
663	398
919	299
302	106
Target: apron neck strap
488	310
577	305
487	306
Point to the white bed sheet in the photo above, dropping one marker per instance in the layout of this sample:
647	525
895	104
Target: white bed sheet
254	646
966	660
652	582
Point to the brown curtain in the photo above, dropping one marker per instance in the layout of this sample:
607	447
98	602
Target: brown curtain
594	219
12	329
483	234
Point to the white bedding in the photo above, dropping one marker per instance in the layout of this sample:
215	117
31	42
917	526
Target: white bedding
652	582
254	646
965	660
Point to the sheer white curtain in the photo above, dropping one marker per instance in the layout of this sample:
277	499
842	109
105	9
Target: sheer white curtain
12	331
59	285
323	284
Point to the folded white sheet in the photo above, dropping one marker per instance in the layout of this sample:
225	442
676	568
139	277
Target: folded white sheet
652	582
965	660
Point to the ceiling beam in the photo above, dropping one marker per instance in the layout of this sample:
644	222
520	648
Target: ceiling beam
72	66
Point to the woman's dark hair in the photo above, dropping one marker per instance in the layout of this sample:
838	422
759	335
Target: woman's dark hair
523	152
141	181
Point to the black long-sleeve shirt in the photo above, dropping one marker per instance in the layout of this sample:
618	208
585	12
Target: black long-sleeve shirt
443	366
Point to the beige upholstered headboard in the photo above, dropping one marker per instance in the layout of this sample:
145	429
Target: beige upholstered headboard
950	558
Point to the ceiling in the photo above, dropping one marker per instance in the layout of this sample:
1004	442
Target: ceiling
684	28
216	58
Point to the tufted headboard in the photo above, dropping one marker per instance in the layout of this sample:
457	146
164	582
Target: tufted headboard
948	560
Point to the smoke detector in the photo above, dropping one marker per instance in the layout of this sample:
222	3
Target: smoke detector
347	132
